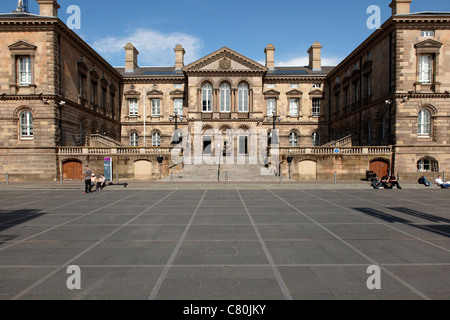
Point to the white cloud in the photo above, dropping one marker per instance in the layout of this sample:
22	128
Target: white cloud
155	48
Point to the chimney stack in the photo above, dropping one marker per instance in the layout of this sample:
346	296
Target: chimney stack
131	53
400	7
315	59
270	56
179	56
48	8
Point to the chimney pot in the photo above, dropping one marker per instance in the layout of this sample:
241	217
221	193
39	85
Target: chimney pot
315	59
270	56
48	8
400	7
131	62
179	56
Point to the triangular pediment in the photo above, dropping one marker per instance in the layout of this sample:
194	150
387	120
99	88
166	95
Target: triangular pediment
429	43
22	45
272	92
316	93
225	60
294	92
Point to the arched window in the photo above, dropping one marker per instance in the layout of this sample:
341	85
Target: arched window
156	139
26	125
243	97
207	100
427	165
225	97
134	139
315	139
424	123
293	139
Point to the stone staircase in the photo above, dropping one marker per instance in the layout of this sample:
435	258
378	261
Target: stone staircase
235	172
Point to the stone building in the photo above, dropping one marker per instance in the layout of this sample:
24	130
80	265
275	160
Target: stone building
384	108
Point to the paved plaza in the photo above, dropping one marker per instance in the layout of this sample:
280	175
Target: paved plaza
232	243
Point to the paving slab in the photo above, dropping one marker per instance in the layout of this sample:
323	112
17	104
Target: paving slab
225	242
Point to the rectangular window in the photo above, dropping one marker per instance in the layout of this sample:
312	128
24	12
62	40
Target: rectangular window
103	99
178	106
356	91
81	85
369	85
347	97
293	107
425	68
293	85
178	86
429	34
156	108
317	85
25	71
133	107
94	92
316	107
207	99
271	86
337	97
271	106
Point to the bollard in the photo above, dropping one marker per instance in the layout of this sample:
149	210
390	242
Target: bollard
281	177
7	179
335	177
61	178
117	177
226	177
443	176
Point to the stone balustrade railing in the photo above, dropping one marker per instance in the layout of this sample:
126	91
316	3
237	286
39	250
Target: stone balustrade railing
166	150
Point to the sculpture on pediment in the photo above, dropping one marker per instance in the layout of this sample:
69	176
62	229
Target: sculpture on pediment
225	63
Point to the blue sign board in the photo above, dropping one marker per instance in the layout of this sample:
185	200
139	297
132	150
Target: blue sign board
108	169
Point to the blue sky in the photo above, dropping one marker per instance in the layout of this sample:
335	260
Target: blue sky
246	26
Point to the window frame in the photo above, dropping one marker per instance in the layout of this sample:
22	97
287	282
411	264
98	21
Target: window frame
243	97
178	106
156	139
28	72
134	139
424	123
207	97
225	97
316	106
28	125
156	106
133	110
293	139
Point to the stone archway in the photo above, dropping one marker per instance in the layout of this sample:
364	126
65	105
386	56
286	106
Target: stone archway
143	169
307	170
72	169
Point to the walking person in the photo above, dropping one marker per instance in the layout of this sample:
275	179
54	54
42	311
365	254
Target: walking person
87	179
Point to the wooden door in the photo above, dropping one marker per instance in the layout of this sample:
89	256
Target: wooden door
380	167
72	170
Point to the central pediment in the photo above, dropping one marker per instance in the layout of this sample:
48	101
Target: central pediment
225	60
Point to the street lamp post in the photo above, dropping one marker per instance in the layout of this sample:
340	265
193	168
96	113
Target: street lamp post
176	135
160	160
274	138
289	160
